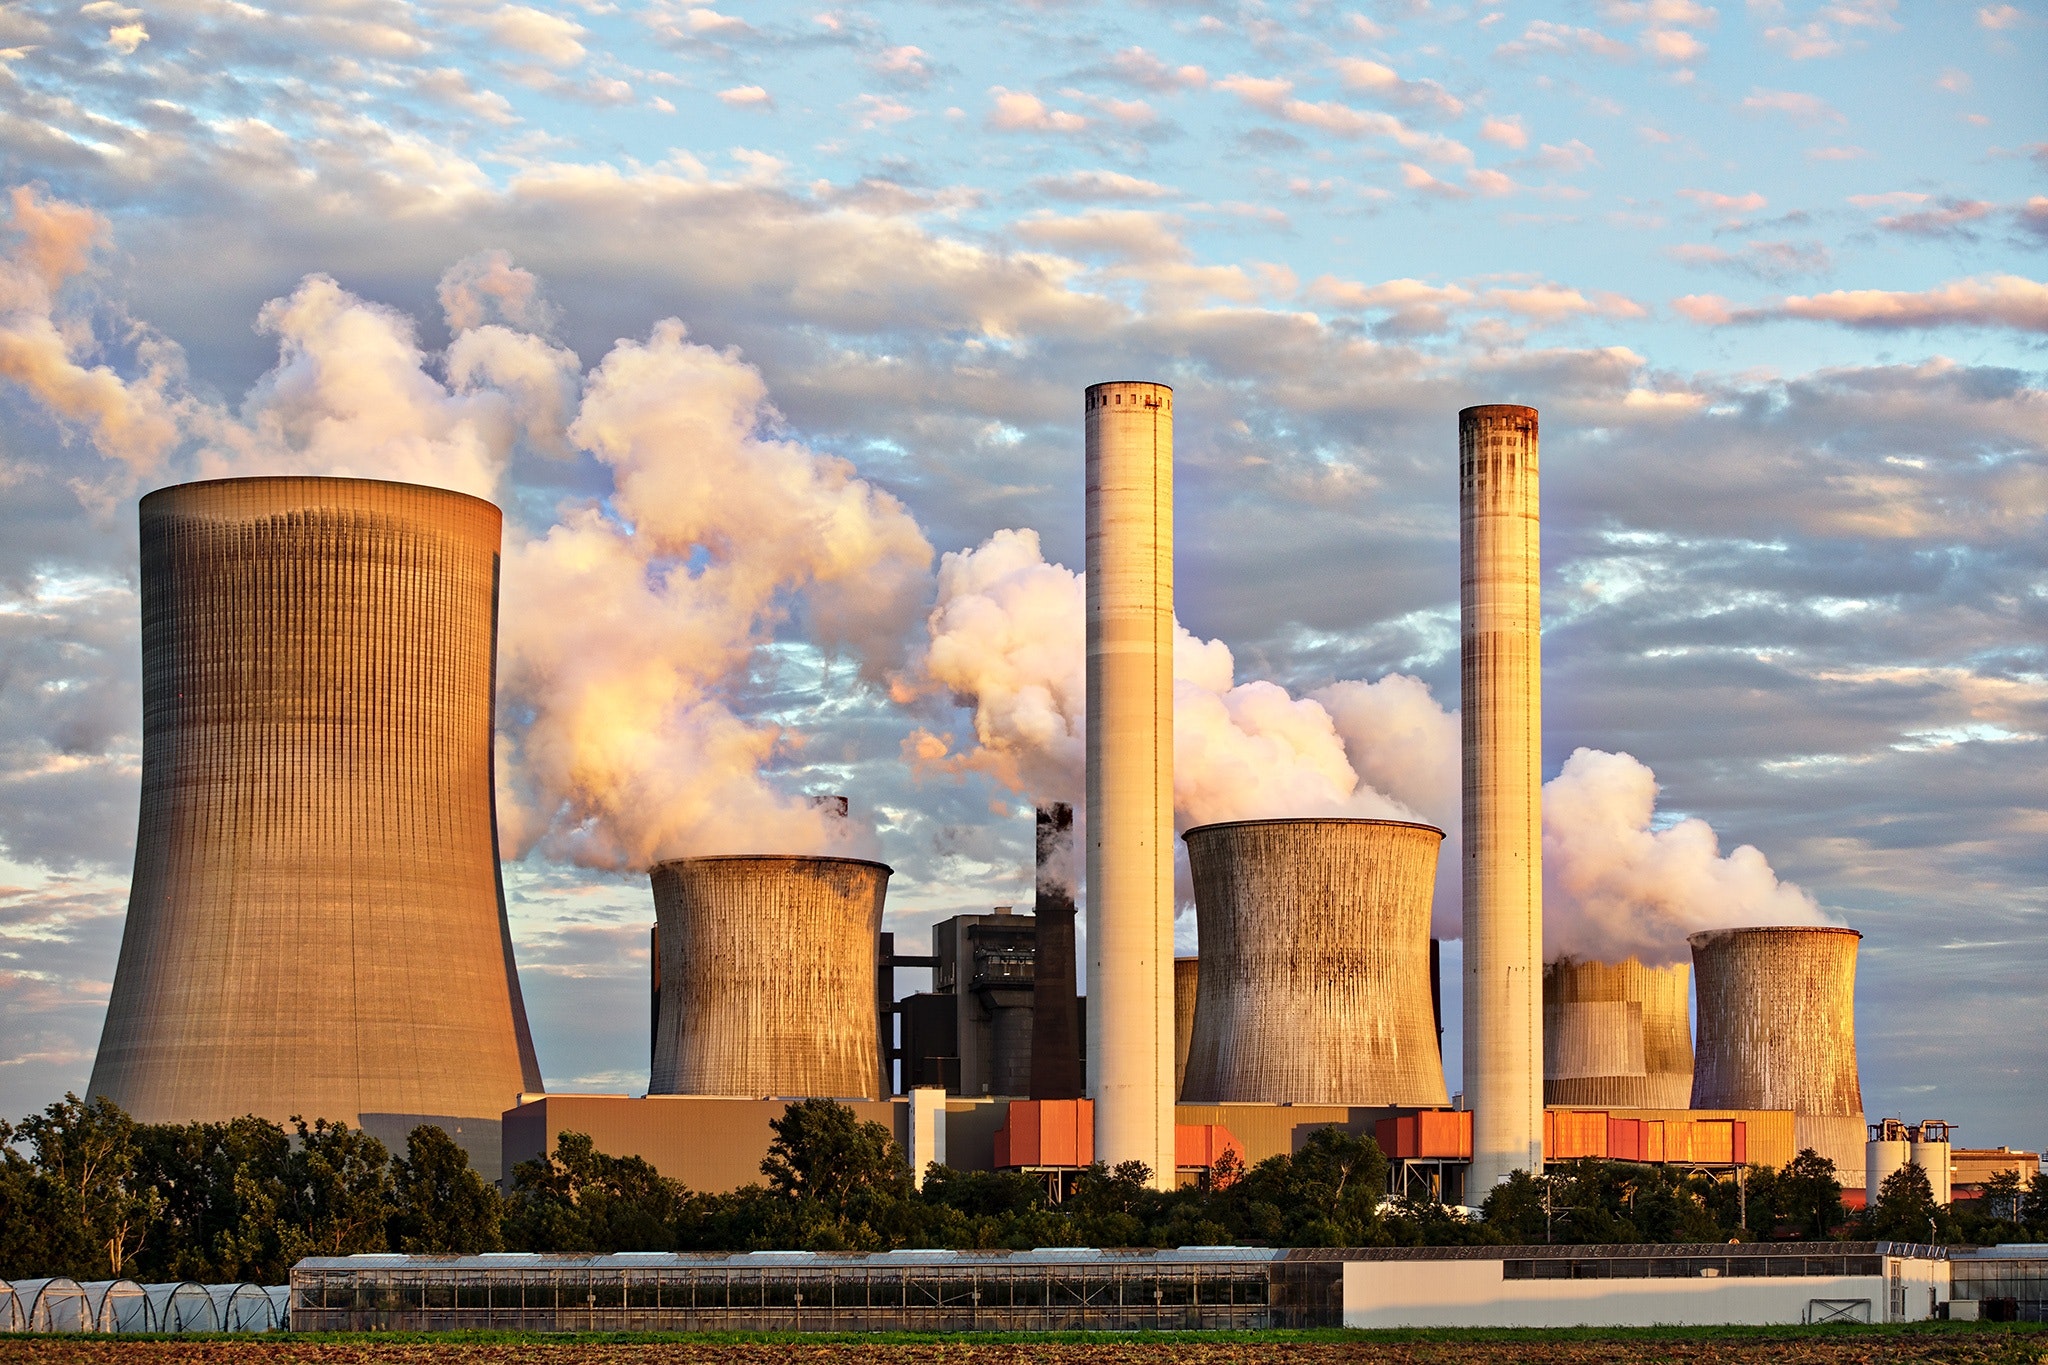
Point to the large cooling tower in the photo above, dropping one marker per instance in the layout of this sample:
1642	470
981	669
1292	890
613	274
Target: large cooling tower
1501	672
1187	983
1130	773
1055	1009
768	977
1314	964
1617	1035
316	925
1778	1031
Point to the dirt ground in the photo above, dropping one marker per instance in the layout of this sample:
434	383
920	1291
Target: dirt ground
1850	1347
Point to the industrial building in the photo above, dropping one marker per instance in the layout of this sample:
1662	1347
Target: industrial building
1777	1030
1501	715
1314	970
1617	1033
316	925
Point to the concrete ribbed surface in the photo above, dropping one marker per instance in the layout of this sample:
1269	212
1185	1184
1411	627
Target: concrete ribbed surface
1579	999
1314	964
315	925
768	976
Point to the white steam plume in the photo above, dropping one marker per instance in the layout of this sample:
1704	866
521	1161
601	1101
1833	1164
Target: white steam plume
1614	885
628	627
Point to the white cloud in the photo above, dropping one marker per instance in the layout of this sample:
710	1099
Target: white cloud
537	33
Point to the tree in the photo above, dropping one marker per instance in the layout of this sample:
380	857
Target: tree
2034	1208
224	1190
580	1199
98	1213
2004	1196
440	1204
1517	1208
337	1192
845	1177
1904	1210
1809	1195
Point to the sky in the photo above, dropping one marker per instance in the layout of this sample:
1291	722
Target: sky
769	326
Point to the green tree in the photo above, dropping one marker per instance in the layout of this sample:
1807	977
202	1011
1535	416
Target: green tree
1905	1211
1809	1196
224	1190
440	1204
2004	1197
580	1199
97	1213
26	1244
1518	1208
2034	1208
337	1192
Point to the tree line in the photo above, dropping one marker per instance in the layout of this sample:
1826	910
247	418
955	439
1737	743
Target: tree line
86	1191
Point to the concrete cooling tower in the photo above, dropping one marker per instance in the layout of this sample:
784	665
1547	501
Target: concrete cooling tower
1778	1031
1187	980
768	977
1617	1035
1314	964
316	924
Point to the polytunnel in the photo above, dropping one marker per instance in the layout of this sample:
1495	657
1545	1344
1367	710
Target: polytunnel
10	1309
280	1306
118	1306
182	1307
241	1307
52	1305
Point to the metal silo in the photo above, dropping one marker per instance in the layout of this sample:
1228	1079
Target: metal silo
1777	1030
1617	1035
1314	963
316	925
768	976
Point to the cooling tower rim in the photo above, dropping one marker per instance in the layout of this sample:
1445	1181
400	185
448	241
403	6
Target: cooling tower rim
1308	820
668	863
1124	383
193	485
1581	960
1711	936
1497	407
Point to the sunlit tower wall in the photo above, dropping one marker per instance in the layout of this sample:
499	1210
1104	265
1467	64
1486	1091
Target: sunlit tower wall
768	977
1314	964
1501	658
316	924
1777	1030
1130	773
1617	1035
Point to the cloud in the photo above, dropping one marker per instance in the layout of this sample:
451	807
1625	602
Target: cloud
1717	202
904	65
1770	260
1999	18
1092	186
1508	131
1148	71
1948	218
537	33
747	97
1673	45
1376	78
1990	301
1018	112
1275	96
1800	108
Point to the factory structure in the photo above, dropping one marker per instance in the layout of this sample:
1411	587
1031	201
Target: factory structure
317	925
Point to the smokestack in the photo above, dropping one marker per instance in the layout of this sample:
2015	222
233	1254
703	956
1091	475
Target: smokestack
316	924
1501	657
1314	963
1056	1011
1617	1035
768	976
1778	1031
1130	773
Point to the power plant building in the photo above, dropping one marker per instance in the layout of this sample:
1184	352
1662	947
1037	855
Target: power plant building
1617	1035
1314	966
1777	1030
316	925
1501	673
1130	772
768	977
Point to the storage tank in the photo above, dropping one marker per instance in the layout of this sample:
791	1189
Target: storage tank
1314	963
1187	975
1888	1150
1777	1030
316	925
1617	1035
1930	1147
768	976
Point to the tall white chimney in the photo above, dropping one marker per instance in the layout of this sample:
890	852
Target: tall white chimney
1502	706
1130	773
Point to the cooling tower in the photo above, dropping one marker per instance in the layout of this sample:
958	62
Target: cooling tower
1130	773
768	977
316	925
1617	1035
1187	980
1778	1031
1314	963
1501	672
1055	1011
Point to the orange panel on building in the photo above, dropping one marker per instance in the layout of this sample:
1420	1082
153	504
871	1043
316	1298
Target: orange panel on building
1046	1133
1444	1134
1203	1145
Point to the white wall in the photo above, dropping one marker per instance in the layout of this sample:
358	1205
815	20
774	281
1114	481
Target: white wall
1473	1294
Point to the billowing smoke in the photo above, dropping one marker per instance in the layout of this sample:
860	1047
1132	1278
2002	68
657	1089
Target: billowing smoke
1008	636
1614	885
630	625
